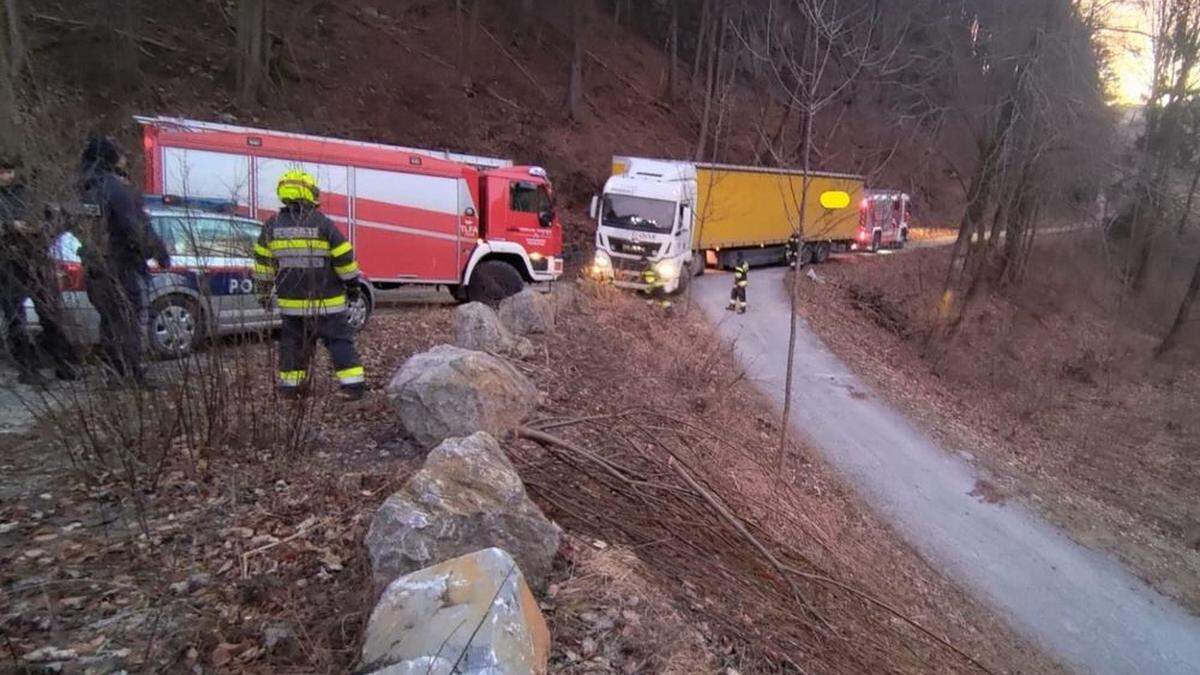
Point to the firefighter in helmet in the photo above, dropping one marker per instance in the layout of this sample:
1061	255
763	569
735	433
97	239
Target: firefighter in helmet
311	267
654	288
741	279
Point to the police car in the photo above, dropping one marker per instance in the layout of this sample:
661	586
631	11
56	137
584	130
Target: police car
208	290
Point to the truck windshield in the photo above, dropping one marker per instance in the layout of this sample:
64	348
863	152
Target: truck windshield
638	213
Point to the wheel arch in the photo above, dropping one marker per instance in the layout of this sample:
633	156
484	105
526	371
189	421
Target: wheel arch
508	252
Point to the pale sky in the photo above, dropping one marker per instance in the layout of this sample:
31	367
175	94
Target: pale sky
1133	53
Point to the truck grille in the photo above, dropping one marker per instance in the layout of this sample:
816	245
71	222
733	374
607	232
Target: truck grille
628	247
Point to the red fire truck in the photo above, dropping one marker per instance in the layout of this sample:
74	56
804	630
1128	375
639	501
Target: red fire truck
882	220
479	226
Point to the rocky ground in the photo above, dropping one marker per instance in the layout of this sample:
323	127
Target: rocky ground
242	555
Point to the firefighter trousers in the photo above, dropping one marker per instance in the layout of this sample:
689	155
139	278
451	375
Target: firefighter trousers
52	341
120	300
737	298
298	340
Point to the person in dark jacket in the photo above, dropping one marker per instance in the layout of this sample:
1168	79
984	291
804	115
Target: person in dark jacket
114	254
27	272
741	279
311	267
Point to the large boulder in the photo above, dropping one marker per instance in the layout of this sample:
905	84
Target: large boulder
468	496
473	614
478	327
528	312
449	392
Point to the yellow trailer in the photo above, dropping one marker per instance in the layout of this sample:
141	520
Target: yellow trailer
739	207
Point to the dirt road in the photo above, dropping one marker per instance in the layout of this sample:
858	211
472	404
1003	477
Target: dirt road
1082	606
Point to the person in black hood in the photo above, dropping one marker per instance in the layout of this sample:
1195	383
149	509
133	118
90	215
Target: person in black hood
27	271
114	254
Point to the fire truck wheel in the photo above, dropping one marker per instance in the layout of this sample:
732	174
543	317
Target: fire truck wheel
175	326
492	281
458	292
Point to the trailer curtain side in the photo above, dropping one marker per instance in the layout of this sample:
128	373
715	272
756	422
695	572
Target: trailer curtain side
742	206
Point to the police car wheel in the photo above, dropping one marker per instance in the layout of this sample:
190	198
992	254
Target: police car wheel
358	311
175	326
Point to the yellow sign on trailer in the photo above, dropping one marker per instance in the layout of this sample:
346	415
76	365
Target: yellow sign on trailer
738	206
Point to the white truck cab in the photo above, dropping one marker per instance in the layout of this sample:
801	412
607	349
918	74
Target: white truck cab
645	219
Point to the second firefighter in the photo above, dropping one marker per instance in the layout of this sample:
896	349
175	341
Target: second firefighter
311	266
741	279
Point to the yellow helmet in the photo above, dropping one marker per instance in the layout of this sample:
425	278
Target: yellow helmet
298	186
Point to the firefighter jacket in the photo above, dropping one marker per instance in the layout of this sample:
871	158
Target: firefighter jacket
741	275
123	240
307	259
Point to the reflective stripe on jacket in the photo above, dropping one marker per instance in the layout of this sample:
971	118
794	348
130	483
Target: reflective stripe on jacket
741	274
307	258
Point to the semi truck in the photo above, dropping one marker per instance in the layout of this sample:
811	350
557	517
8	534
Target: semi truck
479	226
674	218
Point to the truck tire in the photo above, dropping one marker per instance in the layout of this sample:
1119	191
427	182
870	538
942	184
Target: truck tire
876	242
821	254
493	281
174	327
697	263
458	292
806	254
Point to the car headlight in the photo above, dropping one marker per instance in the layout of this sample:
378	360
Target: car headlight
602	261
667	270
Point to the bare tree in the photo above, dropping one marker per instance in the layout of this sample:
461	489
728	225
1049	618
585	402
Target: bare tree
1171	339
253	51
673	53
11	54
1176	38
575	76
813	51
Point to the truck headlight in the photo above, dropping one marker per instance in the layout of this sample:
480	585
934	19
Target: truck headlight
667	270
601	266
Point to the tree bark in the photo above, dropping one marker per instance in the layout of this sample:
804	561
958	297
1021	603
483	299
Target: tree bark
1187	205
253	51
673	59
575	77
710	83
467	39
1171	339
10	140
701	32
17	53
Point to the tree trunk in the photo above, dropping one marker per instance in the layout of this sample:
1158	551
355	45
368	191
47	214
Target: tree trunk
701	32
673	59
252	51
467	39
16	41
1181	317
525	22
9	117
575	77
710	83
1187	205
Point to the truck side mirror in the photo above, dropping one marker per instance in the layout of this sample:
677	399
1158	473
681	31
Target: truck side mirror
594	210
685	217
546	218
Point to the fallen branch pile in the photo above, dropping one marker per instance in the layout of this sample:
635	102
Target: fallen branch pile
635	477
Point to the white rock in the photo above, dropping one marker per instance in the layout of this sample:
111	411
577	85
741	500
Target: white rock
474	611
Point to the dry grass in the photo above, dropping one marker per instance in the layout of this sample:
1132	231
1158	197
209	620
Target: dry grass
614	353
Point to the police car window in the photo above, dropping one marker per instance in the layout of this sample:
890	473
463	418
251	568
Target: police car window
528	198
202	236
